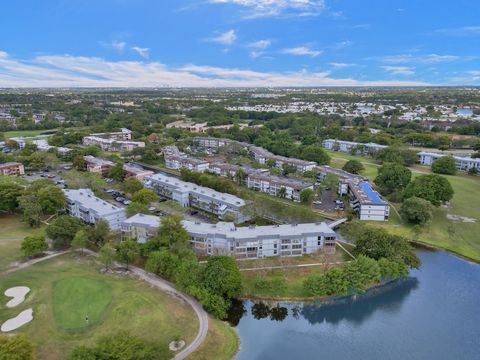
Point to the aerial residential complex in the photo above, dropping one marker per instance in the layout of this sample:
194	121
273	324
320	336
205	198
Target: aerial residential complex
348	146
12	168
115	141
175	159
288	188
97	165
464	163
83	204
224	238
188	194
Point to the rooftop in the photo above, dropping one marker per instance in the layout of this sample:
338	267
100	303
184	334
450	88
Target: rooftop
87	199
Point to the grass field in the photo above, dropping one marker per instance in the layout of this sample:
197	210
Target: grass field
10	134
221	342
12	232
457	236
74	298
115	303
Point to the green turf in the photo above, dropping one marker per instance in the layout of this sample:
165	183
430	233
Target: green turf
12	232
10	134
135	306
76	298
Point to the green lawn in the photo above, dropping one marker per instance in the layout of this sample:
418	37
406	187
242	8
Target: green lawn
10	134
13	231
456	236
114	303
76	298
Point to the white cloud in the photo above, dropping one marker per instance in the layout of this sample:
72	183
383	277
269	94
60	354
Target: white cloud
266	8
460	31
226	38
341	65
474	72
301	51
143	52
419	59
115	44
399	70
80	71
260	44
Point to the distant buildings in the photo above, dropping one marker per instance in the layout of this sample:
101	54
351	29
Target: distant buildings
97	165
224	238
349	146
463	163
201	127
188	194
262	156
138	172
175	159
115	141
284	187
83	204
11	168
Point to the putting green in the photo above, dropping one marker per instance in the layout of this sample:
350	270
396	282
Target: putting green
76	299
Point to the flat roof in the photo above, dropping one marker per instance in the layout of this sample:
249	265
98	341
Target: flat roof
372	195
143	219
197	189
87	199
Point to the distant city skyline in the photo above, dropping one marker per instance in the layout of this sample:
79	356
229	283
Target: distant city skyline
232	43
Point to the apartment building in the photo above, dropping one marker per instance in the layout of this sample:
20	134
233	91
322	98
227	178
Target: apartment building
287	188
97	165
348	146
365	201
112	144
83	204
136	171
224	238
192	195
260	241
122	135
463	163
175	159
11	169
261	156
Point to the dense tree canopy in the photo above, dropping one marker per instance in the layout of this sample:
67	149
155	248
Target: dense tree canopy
33	245
392	178
353	166
445	165
432	187
416	210
62	230
16	347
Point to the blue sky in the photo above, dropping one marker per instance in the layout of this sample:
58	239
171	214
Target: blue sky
147	43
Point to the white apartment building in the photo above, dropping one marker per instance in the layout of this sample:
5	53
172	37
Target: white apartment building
200	197
140	227
287	188
113	144
463	163
83	204
347	146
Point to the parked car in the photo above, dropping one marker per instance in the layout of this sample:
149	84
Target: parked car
152	208
127	202
120	199
109	191
162	200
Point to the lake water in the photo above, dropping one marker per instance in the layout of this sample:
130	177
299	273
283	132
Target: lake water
435	314
465	112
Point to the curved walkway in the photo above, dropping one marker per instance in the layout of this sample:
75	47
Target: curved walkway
158	283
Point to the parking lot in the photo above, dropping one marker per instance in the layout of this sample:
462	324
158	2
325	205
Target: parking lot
329	201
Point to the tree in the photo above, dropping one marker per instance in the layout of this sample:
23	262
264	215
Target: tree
137	208
288	168
33	246
444	165
306	196
9	196
16	347
270	163
378	243
98	233
62	230
432	187
79	163
171	234
353	167
31	210
51	199
116	172
392	178
80	240
392	269
315	153
128	251
37	160
473	171
144	196
131	185
416	210
222	277
106	255
162	262
330	181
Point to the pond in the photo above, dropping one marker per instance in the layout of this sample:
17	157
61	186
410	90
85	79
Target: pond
434	314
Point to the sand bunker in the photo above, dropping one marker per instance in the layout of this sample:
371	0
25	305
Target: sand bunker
18	294
21	319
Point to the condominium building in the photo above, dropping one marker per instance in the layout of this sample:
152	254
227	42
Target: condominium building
97	165
348	146
123	135
261	156
260	241
365	201
83	204
224	238
175	159
136	171
200	197
113	144
463	163
11	168
287	188
140	227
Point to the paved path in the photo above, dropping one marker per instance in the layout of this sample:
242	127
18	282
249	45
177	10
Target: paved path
152	280
294	266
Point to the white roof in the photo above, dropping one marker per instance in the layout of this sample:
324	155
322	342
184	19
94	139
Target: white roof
142	219
87	199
